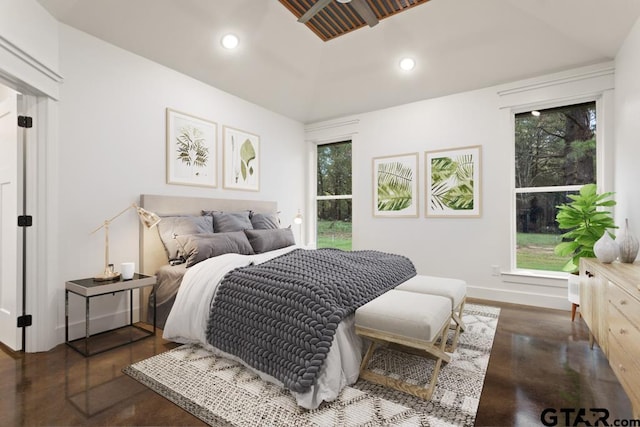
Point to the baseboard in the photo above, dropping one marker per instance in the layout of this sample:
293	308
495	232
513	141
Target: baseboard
97	324
520	297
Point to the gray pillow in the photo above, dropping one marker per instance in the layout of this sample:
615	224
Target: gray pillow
181	225
225	222
199	247
269	240
263	221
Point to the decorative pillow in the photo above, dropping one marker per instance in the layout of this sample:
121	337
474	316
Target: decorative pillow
225	222
263	221
269	240
199	247
181	225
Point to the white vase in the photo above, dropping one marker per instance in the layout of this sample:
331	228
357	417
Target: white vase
627	244
606	249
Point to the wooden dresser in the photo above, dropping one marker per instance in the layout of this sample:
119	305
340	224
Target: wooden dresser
610	305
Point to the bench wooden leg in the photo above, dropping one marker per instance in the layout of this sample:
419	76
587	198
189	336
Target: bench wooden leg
459	325
427	349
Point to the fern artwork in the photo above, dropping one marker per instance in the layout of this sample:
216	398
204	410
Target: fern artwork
191	150
395	186
241	160
453	182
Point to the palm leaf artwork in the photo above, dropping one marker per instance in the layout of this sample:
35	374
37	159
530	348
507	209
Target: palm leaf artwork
452	183
191	147
395	182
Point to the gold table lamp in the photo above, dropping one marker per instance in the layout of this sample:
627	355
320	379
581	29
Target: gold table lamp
148	219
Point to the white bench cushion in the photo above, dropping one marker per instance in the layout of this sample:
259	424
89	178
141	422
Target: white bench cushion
454	289
411	315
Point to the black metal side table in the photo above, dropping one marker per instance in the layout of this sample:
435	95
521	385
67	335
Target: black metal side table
112	338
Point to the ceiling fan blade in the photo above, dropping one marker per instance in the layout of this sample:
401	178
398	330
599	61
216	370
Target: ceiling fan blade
365	12
317	7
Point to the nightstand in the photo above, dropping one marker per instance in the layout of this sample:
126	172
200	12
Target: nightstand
112	338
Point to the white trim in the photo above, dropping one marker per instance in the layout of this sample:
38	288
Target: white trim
30	60
22	72
520	297
337	197
100	323
316	127
33	79
585	73
538	278
553	189
598	97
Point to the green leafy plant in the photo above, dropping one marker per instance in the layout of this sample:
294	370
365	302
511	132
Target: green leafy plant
394	186
586	222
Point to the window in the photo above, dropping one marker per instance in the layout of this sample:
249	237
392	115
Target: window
333	197
555	154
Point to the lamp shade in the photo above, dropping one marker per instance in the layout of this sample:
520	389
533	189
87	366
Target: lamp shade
149	219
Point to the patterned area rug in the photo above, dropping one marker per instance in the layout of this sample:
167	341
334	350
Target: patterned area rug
222	392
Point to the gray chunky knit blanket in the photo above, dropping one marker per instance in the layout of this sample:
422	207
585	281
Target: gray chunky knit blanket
280	316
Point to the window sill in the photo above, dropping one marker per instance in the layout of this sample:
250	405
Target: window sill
528	277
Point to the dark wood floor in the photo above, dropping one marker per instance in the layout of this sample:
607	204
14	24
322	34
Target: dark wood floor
540	359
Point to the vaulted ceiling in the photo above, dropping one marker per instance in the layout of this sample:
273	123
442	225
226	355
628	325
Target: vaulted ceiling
458	45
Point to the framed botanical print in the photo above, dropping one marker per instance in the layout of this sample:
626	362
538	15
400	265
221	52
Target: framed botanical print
452	182
241	163
395	186
191	150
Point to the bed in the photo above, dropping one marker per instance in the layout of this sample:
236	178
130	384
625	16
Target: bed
191	299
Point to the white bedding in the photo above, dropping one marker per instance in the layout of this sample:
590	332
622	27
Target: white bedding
187	323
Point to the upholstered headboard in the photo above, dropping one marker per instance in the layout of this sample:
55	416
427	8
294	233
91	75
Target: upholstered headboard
152	253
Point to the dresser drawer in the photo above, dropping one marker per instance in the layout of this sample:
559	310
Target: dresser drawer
626	367
628	305
626	334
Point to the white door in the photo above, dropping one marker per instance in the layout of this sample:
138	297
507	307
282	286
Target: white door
10	296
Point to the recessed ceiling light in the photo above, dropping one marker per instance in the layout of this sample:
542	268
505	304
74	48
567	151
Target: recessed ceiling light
535	113
230	41
407	64
344	1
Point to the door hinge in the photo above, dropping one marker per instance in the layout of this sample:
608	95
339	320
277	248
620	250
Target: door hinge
25	122
24	321
25	221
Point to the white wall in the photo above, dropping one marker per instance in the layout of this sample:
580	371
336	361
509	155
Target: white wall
462	247
37	39
627	108
29	47
112	149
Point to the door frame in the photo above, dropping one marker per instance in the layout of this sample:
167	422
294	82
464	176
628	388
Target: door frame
39	84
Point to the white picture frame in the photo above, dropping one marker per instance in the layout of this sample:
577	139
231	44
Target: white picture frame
453	182
395	186
192	150
241	160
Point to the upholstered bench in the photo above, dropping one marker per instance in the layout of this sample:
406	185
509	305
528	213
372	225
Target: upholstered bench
415	320
454	289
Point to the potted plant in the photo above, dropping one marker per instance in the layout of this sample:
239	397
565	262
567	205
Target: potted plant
586	222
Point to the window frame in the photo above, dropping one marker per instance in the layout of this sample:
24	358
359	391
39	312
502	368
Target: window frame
600	173
313	234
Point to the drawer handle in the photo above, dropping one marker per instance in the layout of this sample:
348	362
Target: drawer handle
588	273
623	302
623	331
622	369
